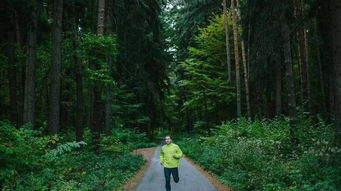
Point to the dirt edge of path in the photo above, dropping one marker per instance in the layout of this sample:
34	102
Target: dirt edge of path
147	153
219	186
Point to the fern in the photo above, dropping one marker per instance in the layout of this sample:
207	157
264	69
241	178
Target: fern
63	148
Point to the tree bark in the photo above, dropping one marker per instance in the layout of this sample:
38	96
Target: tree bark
278	87
108	104
108	113
246	81
289	71
289	79
54	102
96	119
236	57
301	52
100	21
246	77
109	93
96	123
29	93
12	72
21	72
80	100
319	62
306	49
79	122
227	42
335	13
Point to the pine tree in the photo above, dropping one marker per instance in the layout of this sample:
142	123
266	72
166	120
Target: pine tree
54	102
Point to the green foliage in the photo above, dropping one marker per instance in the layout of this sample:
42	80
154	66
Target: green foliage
200	81
132	139
95	52
28	162
185	17
259	155
83	171
63	148
20	150
126	112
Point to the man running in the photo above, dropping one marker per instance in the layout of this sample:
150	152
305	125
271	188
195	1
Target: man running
170	156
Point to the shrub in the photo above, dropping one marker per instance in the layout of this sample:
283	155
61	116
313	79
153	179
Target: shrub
29	162
259	155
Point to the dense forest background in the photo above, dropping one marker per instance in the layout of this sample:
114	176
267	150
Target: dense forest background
112	76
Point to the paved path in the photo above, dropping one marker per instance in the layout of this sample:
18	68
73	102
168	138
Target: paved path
190	178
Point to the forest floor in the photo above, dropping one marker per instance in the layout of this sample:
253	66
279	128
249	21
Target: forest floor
192	176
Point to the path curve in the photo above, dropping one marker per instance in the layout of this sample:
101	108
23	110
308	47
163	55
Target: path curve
190	178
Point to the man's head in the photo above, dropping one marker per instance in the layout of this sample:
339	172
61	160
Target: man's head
168	139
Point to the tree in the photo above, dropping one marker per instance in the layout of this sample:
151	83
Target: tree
289	75
12	70
110	60
289	72
236	57
97	103
302	51
278	86
29	98
78	67
335	14
246	77
227	41
54	102
208	95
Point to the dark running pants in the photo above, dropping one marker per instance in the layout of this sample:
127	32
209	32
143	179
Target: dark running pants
175	174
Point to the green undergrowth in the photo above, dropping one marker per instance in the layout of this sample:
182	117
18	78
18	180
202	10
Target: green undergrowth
260	155
30	160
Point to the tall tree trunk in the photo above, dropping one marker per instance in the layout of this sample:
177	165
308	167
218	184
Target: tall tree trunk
17	28
108	112
12	72
29	96
100	21
246	81
109	93
54	102
289	79
80	101
306	48
108	104
298	12
289	71
96	119
21	72
335	13
319	62
227	42
278	87
96	123
246	77
236	57
79	125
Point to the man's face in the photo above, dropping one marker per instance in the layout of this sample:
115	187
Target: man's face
168	140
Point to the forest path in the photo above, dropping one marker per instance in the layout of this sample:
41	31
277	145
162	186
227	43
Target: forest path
190	177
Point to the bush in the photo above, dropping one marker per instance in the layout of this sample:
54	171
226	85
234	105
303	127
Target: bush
28	162
132	139
20	150
259	155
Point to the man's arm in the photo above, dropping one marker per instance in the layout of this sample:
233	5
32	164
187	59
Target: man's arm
161	156
179	153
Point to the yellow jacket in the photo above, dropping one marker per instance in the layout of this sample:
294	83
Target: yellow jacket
170	155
